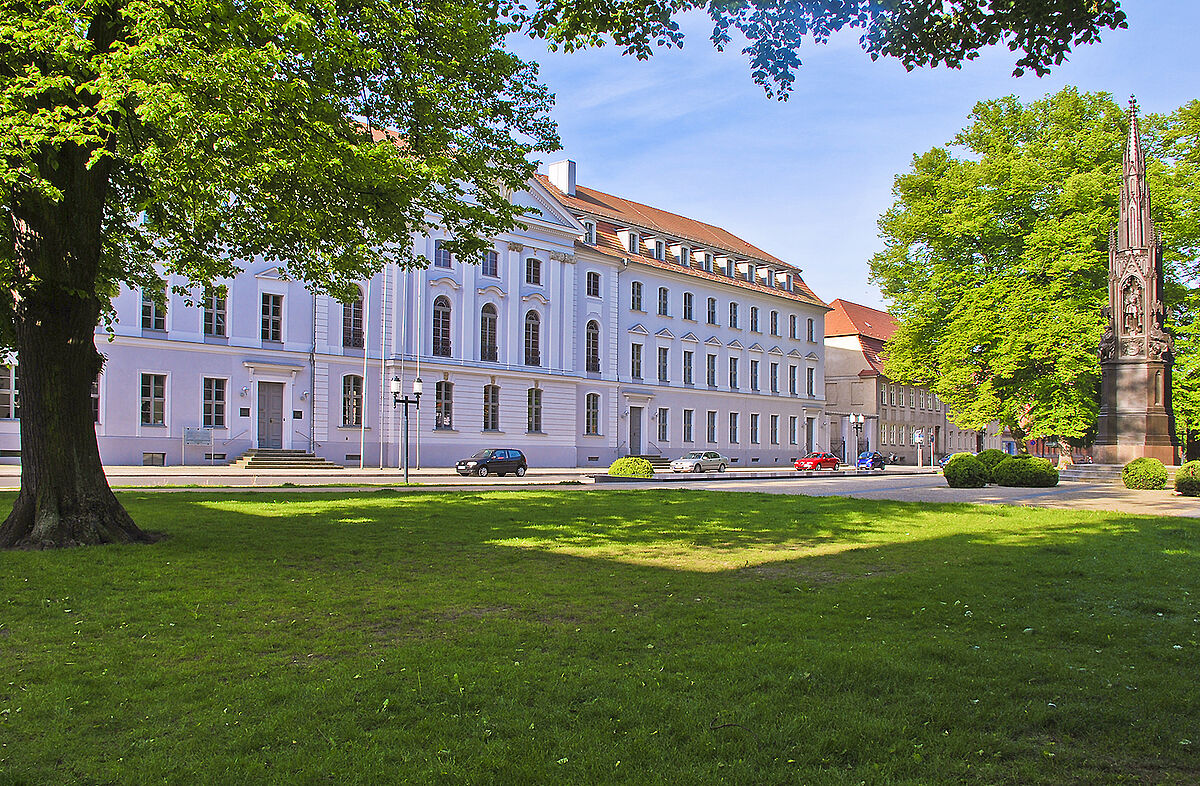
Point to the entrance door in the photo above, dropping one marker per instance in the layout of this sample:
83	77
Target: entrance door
635	431
270	414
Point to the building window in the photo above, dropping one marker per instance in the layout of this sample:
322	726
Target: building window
774	429
487	333
96	400
754	418
774	377
792	326
664	300
592	346
733	373
733	315
214	402
663	359
591	417
533	339
352	400
589	233
154	399
441	254
593	284
792	435
660	250
891	395
912	398
215	315
712	311
443	404
632	246
754	320
711	427
708	262
710	369
9	402
635	296
688	304
792	380
688	415
533	410
733	428
685	256
754	375
664	431
352	321
154	313
272	317
533	271
812	329
490	264
688	356
441	327
635	361
491	407
810	382
774	323
883	394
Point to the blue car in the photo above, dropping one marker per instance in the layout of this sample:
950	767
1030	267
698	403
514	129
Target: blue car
871	459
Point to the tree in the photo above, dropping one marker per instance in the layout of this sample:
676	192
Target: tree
995	260
145	137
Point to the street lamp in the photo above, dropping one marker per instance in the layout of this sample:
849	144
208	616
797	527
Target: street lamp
857	421
397	399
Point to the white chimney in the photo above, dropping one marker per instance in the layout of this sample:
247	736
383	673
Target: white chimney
562	175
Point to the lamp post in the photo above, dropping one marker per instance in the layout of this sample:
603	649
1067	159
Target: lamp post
857	421
398	399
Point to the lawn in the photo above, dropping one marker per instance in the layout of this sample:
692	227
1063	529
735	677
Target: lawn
581	636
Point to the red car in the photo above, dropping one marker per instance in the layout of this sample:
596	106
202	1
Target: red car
818	461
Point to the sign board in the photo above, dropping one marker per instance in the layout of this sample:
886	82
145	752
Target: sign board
918	437
197	436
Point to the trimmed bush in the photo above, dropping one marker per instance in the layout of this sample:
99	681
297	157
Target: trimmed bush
1144	473
964	471
1025	471
630	467
1187	479
990	458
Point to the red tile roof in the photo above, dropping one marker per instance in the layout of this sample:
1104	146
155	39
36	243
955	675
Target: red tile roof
872	350
614	213
853	319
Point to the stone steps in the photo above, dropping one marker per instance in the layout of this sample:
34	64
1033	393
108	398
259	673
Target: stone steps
660	463
260	459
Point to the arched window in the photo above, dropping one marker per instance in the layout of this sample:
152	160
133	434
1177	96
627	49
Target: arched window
533	271
591	409
533	339
352	321
441	327
592	346
487	333
491	407
443	404
352	400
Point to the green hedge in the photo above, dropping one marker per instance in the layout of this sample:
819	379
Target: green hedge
630	467
1144	473
990	458
1025	471
1187	479
964	471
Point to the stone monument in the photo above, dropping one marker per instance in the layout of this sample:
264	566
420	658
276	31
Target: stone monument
1135	351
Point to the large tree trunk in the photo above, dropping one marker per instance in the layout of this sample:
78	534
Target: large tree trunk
65	499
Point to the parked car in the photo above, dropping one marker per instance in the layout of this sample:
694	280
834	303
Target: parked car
818	461
493	461
871	459
700	461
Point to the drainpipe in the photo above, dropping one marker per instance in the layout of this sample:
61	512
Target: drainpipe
312	381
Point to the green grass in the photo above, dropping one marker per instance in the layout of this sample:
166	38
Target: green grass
604	637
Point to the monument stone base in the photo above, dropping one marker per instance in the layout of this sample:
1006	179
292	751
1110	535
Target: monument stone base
1134	420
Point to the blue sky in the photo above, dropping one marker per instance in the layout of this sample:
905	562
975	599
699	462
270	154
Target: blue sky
688	131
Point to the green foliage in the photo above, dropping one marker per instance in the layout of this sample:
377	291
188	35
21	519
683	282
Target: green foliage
1144	473
965	471
1025	471
631	467
990	458
1187	479
995	257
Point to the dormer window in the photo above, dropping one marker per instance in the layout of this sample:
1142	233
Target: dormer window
685	256
589	233
660	249
631	242
751	274
708	262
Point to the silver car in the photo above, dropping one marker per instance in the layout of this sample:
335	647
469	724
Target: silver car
700	461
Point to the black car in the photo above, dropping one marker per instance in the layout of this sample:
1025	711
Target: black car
871	459
494	461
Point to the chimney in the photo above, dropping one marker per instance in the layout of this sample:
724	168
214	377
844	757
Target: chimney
562	175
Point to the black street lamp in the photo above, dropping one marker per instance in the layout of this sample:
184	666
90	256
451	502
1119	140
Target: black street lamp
397	399
857	421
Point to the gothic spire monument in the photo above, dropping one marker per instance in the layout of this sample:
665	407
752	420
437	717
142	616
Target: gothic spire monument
1135	351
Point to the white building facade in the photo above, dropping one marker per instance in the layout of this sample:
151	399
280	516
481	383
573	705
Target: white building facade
553	343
